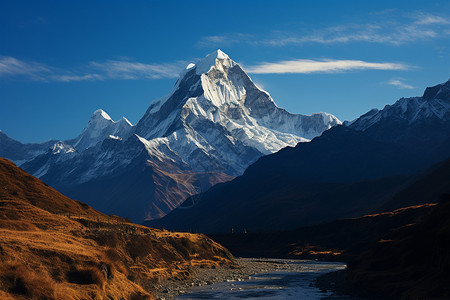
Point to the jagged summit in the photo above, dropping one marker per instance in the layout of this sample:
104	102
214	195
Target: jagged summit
100	113
440	91
192	81
434	104
216	59
215	109
101	126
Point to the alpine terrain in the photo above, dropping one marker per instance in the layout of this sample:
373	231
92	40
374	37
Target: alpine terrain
208	129
348	171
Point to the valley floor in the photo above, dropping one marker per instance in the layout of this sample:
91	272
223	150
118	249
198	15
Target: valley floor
246	269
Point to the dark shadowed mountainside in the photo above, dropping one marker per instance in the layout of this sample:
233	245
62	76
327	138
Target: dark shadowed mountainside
413	262
426	188
348	171
347	238
339	240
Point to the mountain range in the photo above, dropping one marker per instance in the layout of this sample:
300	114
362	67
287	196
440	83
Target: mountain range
212	125
348	171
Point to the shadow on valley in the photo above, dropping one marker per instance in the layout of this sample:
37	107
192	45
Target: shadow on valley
412	262
343	239
338	240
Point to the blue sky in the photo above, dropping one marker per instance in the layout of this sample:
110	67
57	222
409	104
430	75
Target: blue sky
62	60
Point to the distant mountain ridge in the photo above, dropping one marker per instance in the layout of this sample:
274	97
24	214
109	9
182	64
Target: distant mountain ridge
433	104
348	171
213	124
101	127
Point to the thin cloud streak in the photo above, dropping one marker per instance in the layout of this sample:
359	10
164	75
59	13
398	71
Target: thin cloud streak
13	68
427	19
116	69
420	26
70	78
399	84
306	66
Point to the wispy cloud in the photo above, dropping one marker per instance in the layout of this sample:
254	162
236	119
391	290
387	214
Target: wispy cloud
120	69
305	66
70	78
427	19
399	84
418	26
14	68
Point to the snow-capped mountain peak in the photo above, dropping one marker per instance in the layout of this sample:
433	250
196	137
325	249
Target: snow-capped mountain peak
216	109
192	79
100	114
216	59
434	104
100	127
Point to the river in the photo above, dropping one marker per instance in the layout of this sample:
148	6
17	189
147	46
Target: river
272	285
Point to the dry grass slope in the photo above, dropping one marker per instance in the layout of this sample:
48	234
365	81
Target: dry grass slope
52	247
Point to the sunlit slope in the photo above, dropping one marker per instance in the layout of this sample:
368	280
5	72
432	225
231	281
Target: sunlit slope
52	247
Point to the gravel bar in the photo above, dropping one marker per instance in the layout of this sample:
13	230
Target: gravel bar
202	276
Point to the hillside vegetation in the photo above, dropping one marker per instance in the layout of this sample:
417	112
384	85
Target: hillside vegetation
52	247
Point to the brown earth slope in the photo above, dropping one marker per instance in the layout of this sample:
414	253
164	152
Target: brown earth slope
18	185
52	247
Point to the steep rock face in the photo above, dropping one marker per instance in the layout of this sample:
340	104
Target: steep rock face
100	127
216	118
346	172
434	104
210	128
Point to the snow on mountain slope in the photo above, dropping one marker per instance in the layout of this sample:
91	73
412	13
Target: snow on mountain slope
216	114
20	153
100	127
434	104
348	171
212	125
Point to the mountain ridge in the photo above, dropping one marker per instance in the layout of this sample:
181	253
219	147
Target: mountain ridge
347	171
210	127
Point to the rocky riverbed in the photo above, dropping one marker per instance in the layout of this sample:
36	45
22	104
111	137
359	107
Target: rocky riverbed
245	269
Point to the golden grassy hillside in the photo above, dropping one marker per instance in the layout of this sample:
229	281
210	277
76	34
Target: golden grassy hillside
52	247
